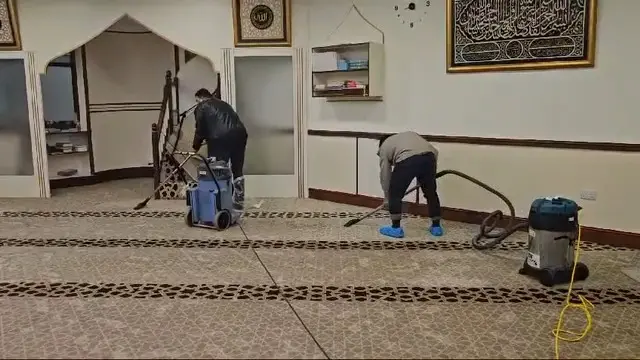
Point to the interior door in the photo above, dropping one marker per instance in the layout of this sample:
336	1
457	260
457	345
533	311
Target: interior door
21	144
265	101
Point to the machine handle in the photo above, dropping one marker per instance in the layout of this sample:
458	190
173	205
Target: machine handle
557	201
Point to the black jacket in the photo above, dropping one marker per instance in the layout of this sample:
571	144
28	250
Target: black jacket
215	119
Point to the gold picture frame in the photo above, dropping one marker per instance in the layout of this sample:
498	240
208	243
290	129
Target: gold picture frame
262	23
9	28
515	53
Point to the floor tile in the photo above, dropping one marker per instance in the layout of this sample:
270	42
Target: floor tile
82	275
288	204
384	331
367	230
467	268
92	227
172	266
151	329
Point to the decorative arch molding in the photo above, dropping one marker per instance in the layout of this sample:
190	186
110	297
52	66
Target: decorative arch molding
65	49
104	28
53	28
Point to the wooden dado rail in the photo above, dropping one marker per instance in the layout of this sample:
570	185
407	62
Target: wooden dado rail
471	140
591	234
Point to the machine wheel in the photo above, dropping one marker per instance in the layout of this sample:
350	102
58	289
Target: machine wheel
222	220
547	277
582	272
188	218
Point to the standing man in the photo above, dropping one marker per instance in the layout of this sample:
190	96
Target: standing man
218	123
403	157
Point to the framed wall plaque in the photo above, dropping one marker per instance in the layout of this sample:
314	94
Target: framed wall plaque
499	35
9	29
262	22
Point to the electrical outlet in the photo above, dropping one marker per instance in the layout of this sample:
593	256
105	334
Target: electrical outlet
588	195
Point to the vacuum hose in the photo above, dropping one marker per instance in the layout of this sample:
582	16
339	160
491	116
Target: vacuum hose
488	237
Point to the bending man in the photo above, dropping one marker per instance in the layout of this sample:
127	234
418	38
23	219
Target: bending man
226	136
403	157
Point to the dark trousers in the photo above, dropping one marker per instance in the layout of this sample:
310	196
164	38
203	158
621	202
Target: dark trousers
232	147
229	147
423	168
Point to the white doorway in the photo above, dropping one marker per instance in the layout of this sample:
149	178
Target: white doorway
265	91
21	129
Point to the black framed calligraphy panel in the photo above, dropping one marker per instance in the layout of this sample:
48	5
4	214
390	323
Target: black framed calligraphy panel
494	35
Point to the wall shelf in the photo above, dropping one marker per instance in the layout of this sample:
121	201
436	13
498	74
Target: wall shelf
341	71
71	131
61	137
348	72
79	174
353	98
58	153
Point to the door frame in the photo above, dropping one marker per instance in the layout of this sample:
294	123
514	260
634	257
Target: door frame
36	185
228	87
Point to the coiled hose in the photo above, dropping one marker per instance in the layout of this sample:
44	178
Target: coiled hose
488	237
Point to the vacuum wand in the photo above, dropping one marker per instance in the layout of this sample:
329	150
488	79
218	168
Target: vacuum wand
144	202
186	112
369	214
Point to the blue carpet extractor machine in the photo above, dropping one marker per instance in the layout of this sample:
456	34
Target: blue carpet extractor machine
553	230
210	199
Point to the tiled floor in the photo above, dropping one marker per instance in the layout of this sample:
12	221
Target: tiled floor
84	276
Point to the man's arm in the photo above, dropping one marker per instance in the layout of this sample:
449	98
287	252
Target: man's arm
198	137
385	175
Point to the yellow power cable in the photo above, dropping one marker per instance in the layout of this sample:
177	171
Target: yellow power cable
585	305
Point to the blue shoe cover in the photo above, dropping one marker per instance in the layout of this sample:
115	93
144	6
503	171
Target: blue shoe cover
436	230
392	232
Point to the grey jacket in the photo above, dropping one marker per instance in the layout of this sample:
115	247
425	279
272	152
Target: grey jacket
399	147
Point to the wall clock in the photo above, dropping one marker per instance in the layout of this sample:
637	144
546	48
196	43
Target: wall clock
412	12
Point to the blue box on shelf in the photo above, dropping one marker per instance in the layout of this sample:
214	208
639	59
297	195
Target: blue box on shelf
358	64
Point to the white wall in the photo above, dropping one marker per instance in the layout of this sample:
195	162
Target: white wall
596	104
125	71
580	104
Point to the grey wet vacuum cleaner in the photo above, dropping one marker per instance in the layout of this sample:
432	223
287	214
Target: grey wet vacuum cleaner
553	231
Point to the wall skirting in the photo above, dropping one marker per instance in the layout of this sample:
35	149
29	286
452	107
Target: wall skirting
472	140
591	234
103	176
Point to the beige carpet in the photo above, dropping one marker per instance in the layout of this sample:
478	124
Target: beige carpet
633	273
84	276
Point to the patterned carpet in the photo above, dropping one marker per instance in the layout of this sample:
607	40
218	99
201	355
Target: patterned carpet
84	276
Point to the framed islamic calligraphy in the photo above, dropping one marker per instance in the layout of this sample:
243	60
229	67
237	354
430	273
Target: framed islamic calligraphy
9	30
502	35
262	23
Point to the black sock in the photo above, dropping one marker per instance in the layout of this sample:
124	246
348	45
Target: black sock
395	223
435	222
